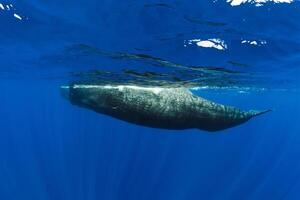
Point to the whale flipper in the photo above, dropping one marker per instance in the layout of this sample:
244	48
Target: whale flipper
157	107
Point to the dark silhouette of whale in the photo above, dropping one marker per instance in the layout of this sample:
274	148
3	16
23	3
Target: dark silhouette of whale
157	107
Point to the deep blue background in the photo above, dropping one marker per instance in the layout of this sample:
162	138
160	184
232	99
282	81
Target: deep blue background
50	149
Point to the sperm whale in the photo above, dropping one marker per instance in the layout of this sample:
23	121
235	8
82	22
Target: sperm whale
157	107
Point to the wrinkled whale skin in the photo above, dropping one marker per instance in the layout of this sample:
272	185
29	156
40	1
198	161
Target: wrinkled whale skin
157	107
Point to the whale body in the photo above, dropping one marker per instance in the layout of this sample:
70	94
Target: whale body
157	107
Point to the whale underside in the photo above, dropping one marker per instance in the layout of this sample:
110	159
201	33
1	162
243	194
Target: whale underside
157	107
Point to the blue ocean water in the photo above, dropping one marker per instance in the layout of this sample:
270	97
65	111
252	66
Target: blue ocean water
245	54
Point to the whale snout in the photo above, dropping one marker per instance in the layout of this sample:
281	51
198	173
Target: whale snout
65	92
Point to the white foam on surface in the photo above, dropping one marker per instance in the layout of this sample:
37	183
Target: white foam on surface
10	8
209	43
254	42
256	2
17	16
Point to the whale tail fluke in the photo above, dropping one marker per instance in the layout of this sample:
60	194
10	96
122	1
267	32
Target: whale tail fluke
255	113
